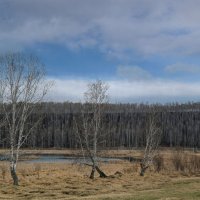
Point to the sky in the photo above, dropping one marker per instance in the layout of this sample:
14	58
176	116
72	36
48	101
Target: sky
145	50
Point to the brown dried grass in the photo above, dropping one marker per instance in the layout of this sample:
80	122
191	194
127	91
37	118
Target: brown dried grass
71	181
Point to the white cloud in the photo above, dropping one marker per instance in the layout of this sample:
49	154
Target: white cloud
67	90
133	73
114	26
183	68
128	91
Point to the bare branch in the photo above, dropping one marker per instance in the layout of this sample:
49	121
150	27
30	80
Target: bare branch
91	121
23	87
153	135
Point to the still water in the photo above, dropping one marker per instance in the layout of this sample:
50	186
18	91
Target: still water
61	158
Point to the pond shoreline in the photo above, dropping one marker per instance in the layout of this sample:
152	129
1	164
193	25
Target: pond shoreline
30	154
63	157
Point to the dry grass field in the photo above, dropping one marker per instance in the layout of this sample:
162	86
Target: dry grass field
70	181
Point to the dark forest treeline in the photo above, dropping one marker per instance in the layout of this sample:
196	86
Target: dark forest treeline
123	125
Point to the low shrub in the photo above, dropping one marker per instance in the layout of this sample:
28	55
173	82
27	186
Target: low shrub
179	160
37	169
158	163
193	163
3	171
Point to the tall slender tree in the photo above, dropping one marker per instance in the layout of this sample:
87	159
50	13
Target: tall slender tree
23	86
153	135
90	131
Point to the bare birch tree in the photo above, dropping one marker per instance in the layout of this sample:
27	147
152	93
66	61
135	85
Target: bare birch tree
2	118
153	134
24	87
1	100
90	125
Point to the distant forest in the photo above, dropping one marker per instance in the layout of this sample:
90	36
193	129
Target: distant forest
123	125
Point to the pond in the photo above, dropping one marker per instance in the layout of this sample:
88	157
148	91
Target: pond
60	159
65	159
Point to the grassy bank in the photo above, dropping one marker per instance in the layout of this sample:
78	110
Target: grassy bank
70	181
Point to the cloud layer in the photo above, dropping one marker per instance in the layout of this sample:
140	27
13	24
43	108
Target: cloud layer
133	73
121	29
183	68
128	91
115	27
